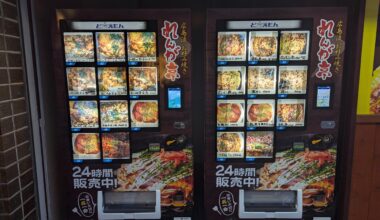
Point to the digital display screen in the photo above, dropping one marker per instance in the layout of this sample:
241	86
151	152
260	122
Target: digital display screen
323	97
174	98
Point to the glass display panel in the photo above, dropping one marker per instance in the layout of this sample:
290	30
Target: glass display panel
142	46
294	45
79	46
259	144
110	46
143	81
86	146
144	113
263	45
112	81
231	80
114	114
292	80
262	79
116	145
84	114
232	46
291	112
260	112
230	113
81	81
230	144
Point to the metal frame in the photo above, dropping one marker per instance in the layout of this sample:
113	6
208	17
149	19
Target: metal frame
32	98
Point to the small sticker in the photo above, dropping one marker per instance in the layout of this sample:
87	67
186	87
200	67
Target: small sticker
86	205
179	125
299	146
327	124
154	147
226	204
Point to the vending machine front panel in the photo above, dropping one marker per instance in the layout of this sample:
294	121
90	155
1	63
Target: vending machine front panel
123	80
273	91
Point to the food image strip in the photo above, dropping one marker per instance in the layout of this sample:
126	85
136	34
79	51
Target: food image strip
169	171
144	113
292	80
232	46
312	171
230	144
81	81
231	80
142	46
110	47
259	144
116	145
112	81
230	113
263	45
260	112
114	114
79	46
143	81
86	146
84	114
294	45
262	80
291	112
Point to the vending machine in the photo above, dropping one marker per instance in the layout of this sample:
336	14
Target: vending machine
123	81
273	91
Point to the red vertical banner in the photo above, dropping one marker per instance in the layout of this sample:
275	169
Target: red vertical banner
170	32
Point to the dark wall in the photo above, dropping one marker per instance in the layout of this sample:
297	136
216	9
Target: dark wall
17	187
